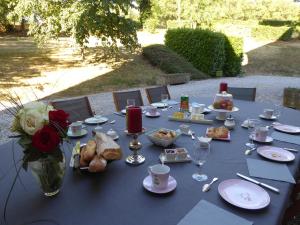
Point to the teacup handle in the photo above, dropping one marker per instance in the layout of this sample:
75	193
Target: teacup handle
149	170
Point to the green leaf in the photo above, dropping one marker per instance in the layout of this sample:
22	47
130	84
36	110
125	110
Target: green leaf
25	141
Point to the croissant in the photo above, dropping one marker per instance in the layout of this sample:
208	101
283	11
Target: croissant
98	164
90	150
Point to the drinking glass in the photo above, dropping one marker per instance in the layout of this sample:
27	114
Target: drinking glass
199	157
164	98
98	127
252	124
130	102
277	110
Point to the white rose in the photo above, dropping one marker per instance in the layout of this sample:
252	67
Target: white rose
31	120
39	106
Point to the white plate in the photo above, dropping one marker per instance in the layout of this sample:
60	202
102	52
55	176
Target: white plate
147	183
275	153
269	139
94	120
286	128
83	132
244	194
234	109
123	111
267	118
160	104
148	114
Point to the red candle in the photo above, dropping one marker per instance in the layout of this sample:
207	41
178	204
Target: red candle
223	87
134	119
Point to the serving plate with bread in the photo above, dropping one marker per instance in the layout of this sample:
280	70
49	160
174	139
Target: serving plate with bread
163	137
95	154
218	133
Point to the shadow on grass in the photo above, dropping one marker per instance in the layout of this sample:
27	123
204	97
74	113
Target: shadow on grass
277	58
134	72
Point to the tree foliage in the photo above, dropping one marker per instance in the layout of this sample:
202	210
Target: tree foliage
203	13
105	19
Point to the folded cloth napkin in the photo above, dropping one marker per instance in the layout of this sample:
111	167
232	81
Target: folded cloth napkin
290	138
209	214
269	170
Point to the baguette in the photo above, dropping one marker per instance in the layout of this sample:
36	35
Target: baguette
107	147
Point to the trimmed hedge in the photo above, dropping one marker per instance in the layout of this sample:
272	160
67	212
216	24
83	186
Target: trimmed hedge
170	62
234	55
208	51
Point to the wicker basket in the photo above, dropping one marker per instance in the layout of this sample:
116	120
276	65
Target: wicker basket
291	98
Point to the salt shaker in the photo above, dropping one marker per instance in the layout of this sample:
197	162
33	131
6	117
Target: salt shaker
229	122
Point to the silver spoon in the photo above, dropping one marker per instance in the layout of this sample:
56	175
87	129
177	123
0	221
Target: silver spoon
206	187
249	151
192	134
112	122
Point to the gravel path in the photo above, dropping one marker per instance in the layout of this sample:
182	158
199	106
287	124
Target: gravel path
269	89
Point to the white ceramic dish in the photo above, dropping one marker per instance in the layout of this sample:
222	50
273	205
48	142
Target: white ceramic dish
269	139
94	120
275	154
159	105
160	141
71	135
262	116
244	194
286	128
147	183
148	114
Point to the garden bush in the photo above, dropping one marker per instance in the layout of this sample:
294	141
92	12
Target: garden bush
170	62
233	55
208	51
203	48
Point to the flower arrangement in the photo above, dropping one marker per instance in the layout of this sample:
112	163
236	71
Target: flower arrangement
42	130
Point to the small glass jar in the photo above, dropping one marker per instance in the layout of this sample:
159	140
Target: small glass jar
229	123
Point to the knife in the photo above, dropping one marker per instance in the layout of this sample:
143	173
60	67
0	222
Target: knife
291	149
258	183
119	114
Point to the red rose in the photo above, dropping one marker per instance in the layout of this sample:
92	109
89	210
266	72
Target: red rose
58	119
46	139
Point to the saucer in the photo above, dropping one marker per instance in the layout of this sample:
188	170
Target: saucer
148	114
83	132
268	139
159	104
147	183
123	111
94	120
267	118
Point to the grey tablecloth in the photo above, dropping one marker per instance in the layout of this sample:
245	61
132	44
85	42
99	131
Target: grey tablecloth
117	197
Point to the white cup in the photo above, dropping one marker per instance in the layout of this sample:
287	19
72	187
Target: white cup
152	110
76	128
197	109
261	133
268	113
160	175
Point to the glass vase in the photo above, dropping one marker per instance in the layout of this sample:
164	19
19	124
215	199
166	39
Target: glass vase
49	173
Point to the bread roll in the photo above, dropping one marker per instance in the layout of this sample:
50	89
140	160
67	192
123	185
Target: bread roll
90	151
82	162
98	164
107	147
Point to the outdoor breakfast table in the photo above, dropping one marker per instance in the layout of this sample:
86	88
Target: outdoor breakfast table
117	196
